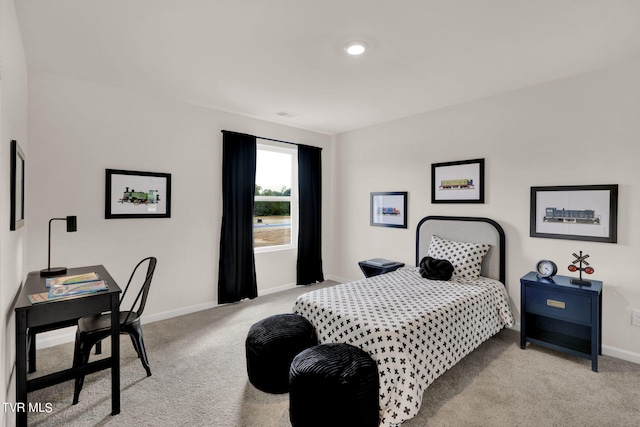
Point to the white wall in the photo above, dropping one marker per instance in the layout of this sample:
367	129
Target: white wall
581	130
13	125
78	129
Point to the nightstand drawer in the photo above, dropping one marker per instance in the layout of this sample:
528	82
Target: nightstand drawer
561	305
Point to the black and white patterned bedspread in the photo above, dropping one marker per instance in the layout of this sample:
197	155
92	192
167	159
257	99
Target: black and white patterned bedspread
414	328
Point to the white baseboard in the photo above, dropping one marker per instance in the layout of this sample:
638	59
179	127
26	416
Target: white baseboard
621	354
277	289
60	336
179	312
337	279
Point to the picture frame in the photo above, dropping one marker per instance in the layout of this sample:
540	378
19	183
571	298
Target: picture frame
389	209
136	194
458	182
17	183
575	212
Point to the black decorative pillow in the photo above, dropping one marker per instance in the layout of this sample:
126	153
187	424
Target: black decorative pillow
435	269
465	257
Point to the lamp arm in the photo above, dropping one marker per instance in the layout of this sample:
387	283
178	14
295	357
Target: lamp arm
49	248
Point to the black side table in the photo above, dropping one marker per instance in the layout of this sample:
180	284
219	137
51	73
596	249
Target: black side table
372	268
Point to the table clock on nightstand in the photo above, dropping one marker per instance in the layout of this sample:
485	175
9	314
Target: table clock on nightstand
560	315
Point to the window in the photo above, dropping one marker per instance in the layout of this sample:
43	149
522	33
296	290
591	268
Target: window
275	214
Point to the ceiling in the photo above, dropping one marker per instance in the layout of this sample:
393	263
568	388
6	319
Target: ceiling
283	60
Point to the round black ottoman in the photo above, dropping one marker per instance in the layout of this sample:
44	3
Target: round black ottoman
333	385
271	345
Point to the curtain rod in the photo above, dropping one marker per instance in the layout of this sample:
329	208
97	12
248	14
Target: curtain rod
269	139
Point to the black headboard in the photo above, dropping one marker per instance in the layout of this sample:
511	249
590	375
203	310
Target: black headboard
466	229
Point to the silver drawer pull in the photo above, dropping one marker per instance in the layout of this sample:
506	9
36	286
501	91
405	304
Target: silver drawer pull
556	304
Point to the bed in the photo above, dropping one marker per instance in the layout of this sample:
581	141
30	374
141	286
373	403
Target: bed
415	328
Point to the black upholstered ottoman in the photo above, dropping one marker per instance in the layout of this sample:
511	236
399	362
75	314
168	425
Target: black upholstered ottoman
333	385
271	345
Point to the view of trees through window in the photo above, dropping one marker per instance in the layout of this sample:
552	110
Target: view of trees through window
272	215
272	208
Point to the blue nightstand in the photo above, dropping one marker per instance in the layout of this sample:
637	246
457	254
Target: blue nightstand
562	316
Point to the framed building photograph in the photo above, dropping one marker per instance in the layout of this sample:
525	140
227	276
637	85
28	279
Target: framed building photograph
575	212
389	209
458	182
135	194
17	186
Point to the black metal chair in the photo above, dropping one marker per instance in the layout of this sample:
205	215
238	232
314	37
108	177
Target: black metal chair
93	329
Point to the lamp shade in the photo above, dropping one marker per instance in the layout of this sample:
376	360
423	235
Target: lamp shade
72	223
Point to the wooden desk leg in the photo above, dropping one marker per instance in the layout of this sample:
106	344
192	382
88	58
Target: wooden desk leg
115	355
21	367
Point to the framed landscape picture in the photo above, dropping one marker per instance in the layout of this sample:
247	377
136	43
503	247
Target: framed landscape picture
135	194
458	182
575	212
389	209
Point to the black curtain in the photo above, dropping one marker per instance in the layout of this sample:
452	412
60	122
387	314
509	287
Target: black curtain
309	268
237	271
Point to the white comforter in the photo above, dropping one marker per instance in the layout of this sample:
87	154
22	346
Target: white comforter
414	328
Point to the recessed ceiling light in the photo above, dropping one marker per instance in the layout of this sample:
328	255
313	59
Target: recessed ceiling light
356	48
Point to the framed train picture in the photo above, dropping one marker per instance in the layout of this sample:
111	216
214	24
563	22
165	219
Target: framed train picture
575	212
135	194
458	182
389	209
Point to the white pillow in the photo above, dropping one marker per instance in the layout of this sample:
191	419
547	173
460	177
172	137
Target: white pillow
466	258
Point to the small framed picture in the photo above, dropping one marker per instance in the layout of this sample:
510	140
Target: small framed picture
575	212
389	209
458	182
17	186
135	194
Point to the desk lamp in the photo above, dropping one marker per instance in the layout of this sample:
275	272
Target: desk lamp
72	225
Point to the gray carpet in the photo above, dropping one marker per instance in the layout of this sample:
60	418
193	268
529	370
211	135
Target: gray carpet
199	379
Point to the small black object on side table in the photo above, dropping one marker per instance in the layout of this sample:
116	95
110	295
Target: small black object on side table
374	267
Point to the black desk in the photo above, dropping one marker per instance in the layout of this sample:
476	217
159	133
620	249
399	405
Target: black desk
47	313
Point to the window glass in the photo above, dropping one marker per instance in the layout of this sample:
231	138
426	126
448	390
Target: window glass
273	170
275	206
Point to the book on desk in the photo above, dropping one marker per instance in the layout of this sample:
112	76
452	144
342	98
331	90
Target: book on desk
69	280
74	286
